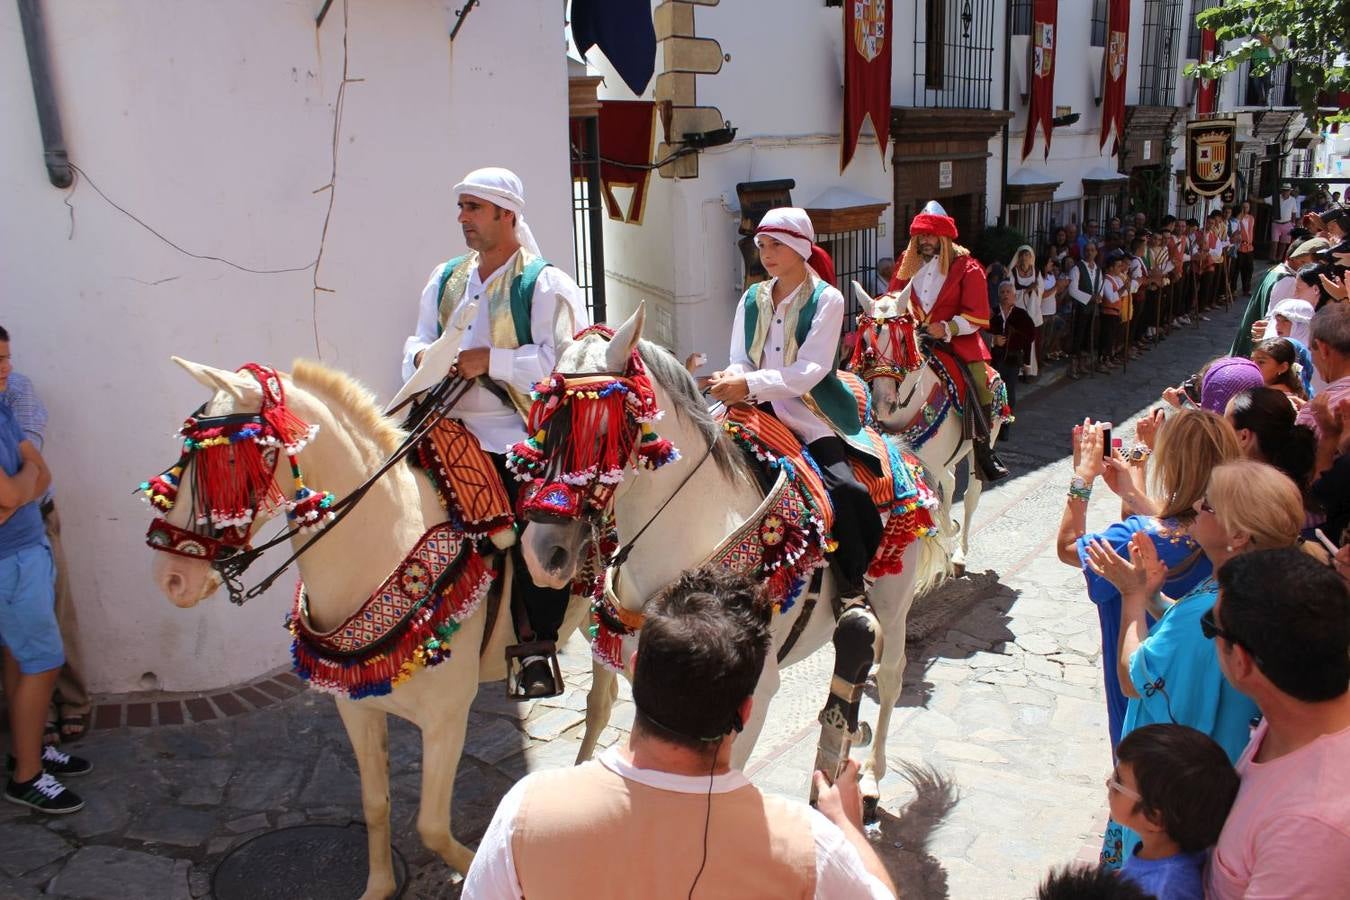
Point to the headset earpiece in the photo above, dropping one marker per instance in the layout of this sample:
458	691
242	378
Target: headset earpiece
736	724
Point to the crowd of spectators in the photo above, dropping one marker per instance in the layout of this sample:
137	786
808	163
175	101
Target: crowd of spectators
1224	612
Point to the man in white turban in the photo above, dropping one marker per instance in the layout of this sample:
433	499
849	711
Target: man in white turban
503	295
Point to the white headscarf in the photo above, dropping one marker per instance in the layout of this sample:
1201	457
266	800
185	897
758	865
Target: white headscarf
791	226
501	187
1298	313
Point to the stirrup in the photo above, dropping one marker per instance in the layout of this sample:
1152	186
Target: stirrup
520	690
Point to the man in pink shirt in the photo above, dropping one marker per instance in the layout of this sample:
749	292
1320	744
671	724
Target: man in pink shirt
1331	355
1281	629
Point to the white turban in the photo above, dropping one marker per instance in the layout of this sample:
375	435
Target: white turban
791	226
501	187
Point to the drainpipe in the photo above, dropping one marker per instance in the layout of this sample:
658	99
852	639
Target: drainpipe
49	117
1007	94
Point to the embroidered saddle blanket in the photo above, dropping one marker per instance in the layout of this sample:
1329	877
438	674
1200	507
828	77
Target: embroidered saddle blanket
899	490
467	482
405	625
946	364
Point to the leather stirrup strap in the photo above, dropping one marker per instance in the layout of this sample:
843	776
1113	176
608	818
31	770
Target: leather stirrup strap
803	617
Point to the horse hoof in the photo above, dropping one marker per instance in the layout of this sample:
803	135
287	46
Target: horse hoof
870	806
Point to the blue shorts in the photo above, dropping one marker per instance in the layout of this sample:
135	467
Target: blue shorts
28	610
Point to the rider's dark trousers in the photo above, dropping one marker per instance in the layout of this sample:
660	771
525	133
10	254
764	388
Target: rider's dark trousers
857	524
545	607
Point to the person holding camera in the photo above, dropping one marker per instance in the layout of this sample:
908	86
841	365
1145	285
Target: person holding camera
1179	455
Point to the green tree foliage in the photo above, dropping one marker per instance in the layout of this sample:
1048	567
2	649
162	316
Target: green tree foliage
1312	35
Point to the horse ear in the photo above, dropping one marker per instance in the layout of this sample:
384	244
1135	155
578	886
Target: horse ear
564	325
240	387
624	340
863	298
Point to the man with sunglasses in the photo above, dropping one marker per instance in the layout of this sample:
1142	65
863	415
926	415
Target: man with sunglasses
1281	630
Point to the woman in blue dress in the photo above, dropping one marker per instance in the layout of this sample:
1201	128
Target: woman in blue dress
1170	672
1188	448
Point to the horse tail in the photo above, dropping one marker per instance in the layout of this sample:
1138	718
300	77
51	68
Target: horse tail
935	564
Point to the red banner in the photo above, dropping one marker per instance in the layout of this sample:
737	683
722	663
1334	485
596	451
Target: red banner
1207	91
1042	108
1117	58
867	73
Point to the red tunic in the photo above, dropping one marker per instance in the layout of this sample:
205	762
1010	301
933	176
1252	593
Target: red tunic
964	293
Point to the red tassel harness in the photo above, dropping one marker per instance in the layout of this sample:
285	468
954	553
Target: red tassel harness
902	356
584	431
233	462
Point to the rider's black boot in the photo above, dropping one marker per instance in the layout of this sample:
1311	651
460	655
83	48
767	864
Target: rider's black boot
988	467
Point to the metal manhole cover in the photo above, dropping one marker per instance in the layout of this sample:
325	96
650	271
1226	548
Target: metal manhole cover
324	862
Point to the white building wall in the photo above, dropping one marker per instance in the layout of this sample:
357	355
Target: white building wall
782	89
213	123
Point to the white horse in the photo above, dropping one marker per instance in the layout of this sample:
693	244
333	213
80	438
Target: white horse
341	571
697	504
909	399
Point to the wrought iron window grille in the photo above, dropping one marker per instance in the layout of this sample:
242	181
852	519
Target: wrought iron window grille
1158	61
953	54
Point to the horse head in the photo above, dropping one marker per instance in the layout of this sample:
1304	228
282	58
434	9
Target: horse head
887	354
225	484
590	422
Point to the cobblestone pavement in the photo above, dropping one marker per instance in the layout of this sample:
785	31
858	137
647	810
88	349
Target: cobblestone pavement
1001	724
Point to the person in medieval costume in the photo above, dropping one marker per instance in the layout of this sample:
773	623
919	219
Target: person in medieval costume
503	295
784	355
1277	284
949	296
1027	285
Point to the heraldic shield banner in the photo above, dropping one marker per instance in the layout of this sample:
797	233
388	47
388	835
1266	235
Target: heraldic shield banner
1211	151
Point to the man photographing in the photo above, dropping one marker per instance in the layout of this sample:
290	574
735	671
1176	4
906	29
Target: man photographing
673	817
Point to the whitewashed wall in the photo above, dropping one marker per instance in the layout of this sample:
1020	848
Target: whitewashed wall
783	90
213	122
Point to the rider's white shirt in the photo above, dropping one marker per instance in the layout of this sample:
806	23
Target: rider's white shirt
780	385
839	867
493	423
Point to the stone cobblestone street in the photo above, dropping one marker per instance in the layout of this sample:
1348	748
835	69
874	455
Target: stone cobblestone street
997	753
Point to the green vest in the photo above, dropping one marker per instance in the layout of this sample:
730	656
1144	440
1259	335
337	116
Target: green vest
508	317
1257	309
830	399
522	293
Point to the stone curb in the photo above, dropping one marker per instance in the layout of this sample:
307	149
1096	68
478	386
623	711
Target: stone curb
148	711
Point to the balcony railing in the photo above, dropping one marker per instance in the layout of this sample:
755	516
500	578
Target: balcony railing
1273	89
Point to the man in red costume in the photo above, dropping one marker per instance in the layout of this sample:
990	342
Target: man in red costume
949	296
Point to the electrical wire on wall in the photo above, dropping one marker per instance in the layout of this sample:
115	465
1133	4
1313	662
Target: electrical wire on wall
330	187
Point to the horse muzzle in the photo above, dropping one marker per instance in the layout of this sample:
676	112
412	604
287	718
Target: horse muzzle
183	580
552	551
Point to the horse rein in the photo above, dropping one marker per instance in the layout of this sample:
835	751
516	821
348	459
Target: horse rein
432	408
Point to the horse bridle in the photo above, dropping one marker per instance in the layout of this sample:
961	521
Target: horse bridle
230	560
597	502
